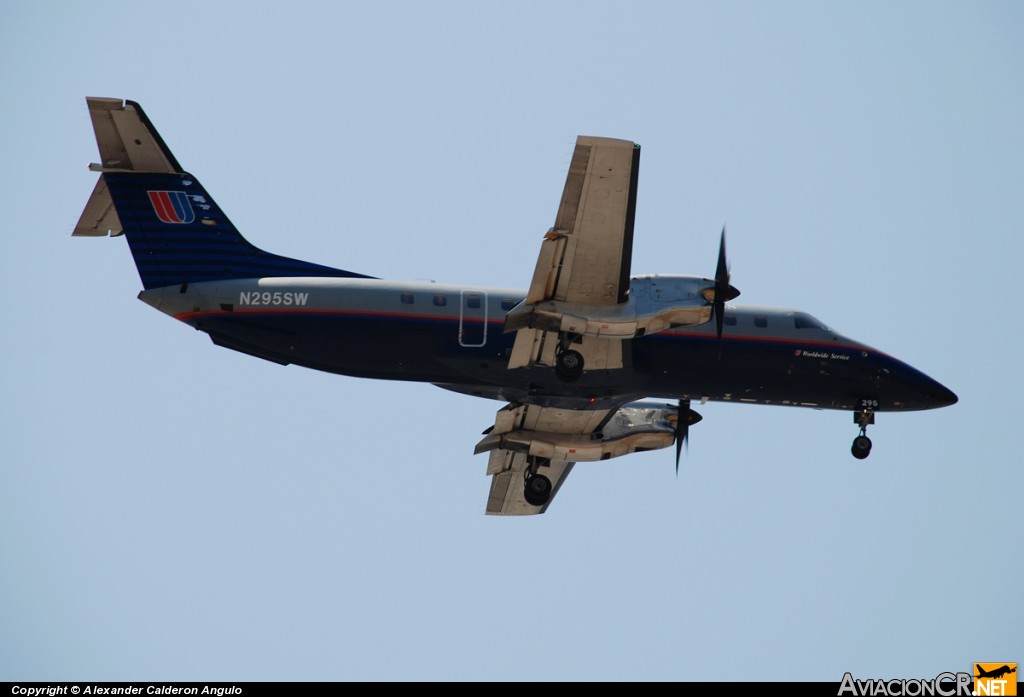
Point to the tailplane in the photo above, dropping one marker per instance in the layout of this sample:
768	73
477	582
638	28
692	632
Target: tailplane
176	232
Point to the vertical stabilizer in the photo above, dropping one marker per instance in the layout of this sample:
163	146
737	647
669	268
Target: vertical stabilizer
175	230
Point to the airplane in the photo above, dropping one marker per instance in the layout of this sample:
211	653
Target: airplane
996	673
578	356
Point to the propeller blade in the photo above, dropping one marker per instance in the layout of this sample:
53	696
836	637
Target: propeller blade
682	429
685	417
723	291
721	286
722	272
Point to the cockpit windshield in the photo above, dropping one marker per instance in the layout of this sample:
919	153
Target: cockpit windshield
802	320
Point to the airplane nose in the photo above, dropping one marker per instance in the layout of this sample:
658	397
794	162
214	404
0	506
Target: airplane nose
942	396
920	391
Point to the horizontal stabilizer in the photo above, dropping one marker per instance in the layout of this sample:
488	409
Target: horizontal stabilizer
127	143
127	139
99	217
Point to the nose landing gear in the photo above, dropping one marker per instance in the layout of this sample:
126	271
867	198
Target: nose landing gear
862	444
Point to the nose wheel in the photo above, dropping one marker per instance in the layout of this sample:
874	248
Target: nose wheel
861	447
862	444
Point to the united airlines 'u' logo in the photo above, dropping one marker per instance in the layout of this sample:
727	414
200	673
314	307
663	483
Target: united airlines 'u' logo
172	206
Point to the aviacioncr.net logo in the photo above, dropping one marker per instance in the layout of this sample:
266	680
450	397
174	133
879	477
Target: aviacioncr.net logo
942	685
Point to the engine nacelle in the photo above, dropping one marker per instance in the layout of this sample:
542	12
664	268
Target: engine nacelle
655	303
635	427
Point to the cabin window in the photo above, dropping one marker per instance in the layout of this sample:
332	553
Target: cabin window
507	304
473	302
730	320
761	321
440	300
408	298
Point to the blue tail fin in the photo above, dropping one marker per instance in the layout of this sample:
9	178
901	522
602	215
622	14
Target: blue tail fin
176	232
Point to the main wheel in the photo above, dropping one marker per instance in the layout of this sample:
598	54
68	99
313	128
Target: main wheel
569	365
861	447
538	490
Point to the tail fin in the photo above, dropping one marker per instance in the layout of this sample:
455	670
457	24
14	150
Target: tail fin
175	230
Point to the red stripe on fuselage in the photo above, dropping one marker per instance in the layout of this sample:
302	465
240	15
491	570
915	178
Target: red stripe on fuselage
186	316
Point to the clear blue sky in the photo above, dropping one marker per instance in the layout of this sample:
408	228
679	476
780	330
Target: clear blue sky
173	510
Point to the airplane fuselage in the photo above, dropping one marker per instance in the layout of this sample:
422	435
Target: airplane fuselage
453	336
574	355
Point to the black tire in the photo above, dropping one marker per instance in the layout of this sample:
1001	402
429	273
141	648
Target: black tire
538	490
569	365
861	447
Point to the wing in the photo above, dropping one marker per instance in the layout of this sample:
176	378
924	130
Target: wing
584	266
508	485
528	439
585	258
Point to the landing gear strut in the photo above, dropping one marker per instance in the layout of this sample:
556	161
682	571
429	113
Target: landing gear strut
568	363
538	487
862	444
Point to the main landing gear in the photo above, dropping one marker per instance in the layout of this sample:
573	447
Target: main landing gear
862	444
568	363
538	487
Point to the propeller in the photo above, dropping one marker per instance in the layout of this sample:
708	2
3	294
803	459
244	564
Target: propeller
685	417
723	291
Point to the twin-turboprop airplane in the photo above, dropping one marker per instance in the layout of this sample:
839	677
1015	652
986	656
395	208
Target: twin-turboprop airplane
571	355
